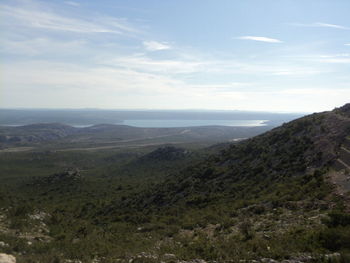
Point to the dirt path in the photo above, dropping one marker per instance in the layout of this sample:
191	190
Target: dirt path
16	149
343	163
114	147
120	144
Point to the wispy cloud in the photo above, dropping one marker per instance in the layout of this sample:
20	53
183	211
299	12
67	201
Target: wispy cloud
162	66
68	76
343	58
42	46
320	24
261	39
209	66
331	25
45	18
348	44
155	45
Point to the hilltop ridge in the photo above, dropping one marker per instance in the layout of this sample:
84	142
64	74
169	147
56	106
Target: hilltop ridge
305	147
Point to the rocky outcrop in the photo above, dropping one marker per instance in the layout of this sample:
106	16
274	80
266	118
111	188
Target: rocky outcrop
68	175
6	258
72	175
166	153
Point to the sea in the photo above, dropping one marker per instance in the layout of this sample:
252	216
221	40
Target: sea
191	123
151	123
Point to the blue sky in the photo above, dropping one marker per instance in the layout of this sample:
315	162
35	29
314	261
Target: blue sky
270	55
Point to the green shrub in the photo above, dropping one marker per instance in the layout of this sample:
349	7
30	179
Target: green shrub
335	239
337	218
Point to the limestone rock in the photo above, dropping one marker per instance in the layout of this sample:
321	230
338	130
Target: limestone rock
6	258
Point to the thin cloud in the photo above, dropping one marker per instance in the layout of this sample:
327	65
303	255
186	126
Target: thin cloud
68	76
331	25
146	64
170	67
348	44
343	58
42	46
44	18
320	24
261	39
155	45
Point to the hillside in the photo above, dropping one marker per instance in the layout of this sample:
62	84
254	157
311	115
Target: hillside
307	147
282	196
290	169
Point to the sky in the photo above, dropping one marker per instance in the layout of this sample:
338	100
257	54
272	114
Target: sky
264	55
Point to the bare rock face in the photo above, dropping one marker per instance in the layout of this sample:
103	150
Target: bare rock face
6	258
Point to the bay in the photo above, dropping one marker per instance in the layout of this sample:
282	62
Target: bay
149	123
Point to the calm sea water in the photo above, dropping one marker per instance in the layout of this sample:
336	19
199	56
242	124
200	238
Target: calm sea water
176	123
189	123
